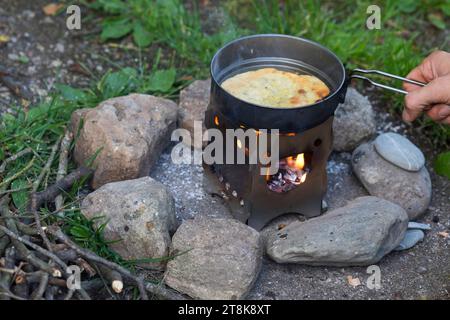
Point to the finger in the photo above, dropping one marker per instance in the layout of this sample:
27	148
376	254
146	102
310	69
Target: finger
446	121
439	112
409	115
433	93
415	74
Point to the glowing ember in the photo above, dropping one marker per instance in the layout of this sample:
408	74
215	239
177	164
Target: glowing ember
291	173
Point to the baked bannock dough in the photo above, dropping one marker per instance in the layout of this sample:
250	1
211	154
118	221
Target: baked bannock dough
271	87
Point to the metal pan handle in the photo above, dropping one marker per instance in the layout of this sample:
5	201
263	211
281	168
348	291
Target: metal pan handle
384	74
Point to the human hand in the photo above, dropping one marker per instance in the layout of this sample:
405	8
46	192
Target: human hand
434	98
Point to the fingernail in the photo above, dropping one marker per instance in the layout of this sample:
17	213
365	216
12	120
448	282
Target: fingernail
444	112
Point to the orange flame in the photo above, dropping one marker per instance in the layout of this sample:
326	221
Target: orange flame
300	161
216	120
303	178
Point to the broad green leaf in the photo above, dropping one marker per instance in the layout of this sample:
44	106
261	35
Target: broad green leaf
446	8
407	6
116	83
71	94
161	80
8	118
110	6
37	112
114	29
141	36
437	21
442	164
80	231
20	198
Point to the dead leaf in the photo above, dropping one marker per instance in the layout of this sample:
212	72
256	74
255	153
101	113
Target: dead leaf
443	234
281	226
52	9
354	282
4	38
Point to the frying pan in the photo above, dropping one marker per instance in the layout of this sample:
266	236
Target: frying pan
288	53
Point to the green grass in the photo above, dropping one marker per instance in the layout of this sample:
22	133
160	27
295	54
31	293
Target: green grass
42	125
396	48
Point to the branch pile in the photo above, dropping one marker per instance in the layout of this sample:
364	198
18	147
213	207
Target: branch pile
34	257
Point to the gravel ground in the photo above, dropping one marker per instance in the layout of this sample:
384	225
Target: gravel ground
54	55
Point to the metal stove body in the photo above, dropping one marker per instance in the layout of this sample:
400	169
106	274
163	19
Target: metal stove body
305	131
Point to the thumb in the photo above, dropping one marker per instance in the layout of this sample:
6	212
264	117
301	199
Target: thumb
435	92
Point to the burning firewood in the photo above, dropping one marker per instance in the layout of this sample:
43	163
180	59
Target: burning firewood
291	173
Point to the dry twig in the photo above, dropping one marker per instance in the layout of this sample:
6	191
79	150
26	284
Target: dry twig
14	157
62	167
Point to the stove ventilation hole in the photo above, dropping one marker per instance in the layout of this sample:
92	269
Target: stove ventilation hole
292	172
317	142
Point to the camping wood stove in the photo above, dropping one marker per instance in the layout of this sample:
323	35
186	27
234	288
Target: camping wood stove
305	133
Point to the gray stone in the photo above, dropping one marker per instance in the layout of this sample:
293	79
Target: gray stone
193	103
412	237
354	121
128	133
400	151
140	212
218	258
410	190
360	233
417	225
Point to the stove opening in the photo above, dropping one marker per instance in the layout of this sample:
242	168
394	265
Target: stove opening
292	172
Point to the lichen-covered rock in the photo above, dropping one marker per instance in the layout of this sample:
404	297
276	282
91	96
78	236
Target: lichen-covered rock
360	233
193	103
125	135
217	258
353	122
139	212
410	190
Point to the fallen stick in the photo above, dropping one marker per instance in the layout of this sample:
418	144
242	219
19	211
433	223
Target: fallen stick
22	250
14	157
39	198
57	233
67	255
9	294
5	277
36	183
47	166
4	242
51	292
26	229
21	289
114	278
39	249
85	266
5	183
158	290
62	166
40	290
